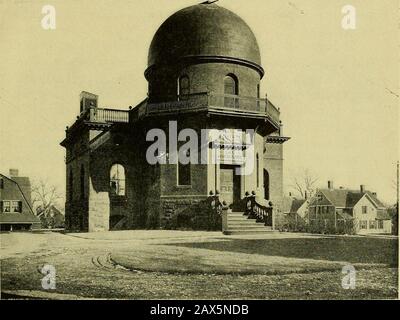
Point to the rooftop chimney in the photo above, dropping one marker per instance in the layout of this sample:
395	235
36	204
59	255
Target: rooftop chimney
375	194
13	172
88	100
362	188
330	185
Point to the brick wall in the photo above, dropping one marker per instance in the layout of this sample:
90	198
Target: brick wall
273	162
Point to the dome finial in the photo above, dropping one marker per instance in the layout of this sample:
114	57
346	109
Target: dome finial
209	1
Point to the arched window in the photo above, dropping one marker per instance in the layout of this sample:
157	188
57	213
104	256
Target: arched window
117	180
71	185
231	89
266	185
82	182
183	86
231	85
258	170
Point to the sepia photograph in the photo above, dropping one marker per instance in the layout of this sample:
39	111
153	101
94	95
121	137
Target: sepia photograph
219	151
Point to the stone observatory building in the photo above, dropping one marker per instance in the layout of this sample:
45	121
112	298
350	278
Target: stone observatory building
204	72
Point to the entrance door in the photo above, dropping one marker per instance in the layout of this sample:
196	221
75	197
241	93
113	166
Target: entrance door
230	185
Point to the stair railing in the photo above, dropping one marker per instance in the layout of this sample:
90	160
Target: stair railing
215	212
215	203
254	210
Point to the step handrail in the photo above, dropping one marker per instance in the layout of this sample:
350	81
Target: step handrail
215	203
256	210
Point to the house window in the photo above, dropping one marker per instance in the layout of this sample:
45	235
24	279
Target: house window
6	206
16	206
372	224
380	224
1	184
117	180
363	224
183	86
364	209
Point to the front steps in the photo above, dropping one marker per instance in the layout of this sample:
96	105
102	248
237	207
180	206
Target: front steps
240	224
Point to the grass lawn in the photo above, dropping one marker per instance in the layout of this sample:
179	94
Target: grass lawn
271	268
352	250
184	260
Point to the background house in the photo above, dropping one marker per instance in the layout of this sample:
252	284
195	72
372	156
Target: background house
296	213
51	218
348	211
15	203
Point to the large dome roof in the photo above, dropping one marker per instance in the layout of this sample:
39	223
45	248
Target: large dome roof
204	31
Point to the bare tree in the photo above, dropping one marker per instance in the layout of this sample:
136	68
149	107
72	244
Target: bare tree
44	196
304	183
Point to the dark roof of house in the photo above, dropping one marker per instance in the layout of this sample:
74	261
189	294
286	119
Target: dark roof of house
18	218
19	188
22	181
292	205
376	200
383	215
51	210
345	215
343	198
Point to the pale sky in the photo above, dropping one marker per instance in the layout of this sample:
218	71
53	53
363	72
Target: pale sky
337	90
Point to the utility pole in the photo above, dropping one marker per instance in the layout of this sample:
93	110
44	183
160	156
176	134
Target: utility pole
398	185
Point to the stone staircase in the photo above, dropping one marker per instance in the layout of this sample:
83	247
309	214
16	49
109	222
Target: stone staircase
240	224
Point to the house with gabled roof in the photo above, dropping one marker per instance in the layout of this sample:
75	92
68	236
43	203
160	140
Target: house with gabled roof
361	209
293	206
295	211
15	203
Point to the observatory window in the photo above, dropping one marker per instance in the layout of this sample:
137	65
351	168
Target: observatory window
183	86
231	85
117	180
231	89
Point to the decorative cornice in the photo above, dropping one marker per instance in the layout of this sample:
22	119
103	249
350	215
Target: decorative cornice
207	59
277	139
